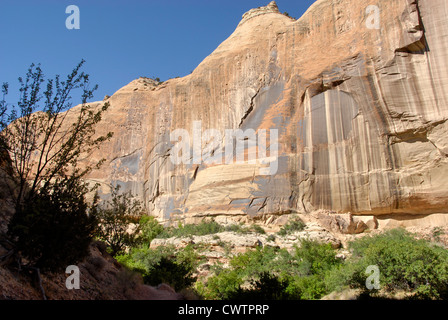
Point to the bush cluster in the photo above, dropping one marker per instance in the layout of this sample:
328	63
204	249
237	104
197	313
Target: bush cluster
272	273
291	227
206	228
312	270
416	267
186	230
53	223
54	230
168	265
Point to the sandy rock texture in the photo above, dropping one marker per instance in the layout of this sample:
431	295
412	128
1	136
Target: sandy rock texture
361	115
101	278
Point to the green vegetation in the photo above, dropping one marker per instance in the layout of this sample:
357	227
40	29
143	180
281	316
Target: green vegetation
186	230
149	229
271	273
291	227
310	271
416	267
257	229
54	230
119	221
242	229
437	232
44	138
163	265
42	141
205	228
287	14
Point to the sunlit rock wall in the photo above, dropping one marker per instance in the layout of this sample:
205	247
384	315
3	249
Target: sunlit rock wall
360	113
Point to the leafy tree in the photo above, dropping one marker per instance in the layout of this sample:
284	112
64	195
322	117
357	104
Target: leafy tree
45	138
149	228
270	273
267	287
55	229
119	220
315	257
226	285
178	274
3	107
163	265
407	264
44	135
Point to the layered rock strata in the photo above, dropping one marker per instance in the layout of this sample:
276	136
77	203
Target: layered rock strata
358	96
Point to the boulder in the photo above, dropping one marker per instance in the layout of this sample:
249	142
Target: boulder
342	223
370	221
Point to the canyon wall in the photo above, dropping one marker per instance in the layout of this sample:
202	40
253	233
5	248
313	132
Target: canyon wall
358	96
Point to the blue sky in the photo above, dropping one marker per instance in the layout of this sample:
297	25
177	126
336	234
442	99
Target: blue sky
120	40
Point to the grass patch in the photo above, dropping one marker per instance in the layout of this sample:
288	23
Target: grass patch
187	230
292	226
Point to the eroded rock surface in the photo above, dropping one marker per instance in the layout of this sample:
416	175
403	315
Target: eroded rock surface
361	115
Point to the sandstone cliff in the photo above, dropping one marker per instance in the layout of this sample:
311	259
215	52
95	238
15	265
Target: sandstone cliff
361	114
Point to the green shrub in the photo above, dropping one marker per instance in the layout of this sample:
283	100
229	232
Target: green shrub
206	228
342	276
266	287
237	228
226	285
416	267
149	230
314	261
119	218
261	260
178	274
201	229
310	287
257	229
271	273
311	271
315	257
291	227
163	265
54	229
437	232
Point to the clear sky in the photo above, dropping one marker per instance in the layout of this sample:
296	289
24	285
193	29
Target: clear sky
120	40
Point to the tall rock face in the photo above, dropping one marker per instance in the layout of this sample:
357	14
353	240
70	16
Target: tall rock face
357	94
